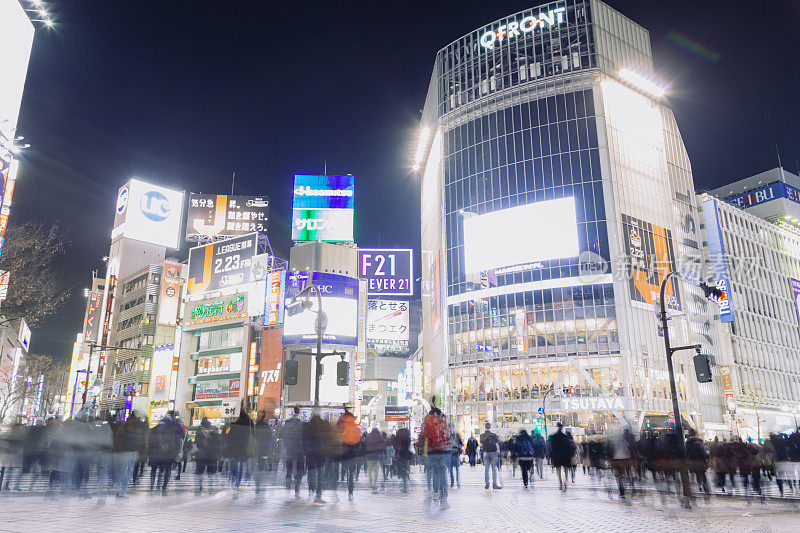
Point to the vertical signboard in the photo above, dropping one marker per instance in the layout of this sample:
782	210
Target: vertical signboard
361	347
160	373
276	281
436	294
4	278
10	177
727	384
521	326
91	321
270	371
796	291
388	322
170	297
719	264
650	257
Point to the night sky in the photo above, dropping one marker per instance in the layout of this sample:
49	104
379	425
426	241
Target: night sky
184	93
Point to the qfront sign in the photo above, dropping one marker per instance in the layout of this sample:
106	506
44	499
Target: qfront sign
524	25
388	272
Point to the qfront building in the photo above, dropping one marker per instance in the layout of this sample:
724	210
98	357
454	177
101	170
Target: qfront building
556	195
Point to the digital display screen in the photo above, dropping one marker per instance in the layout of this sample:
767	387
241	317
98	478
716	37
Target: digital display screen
539	231
339	303
322	208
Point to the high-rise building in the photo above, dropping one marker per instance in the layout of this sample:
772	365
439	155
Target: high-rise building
556	195
757	263
773	195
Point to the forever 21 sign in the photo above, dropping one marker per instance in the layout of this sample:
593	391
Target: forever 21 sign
388	272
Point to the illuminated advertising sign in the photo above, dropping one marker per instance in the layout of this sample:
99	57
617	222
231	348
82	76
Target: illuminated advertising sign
773	191
9	175
436	294
388	272
270	370
170	297
221	265
217	388
322	208
16	40
525	25
160	373
495	239
650	258
387	322
217	310
719	264
149	213
339	303
276	282
4	278
91	322
221	215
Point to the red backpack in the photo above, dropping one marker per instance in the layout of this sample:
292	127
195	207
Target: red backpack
437	436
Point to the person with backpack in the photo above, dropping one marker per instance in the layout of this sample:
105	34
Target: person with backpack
436	445
164	445
350	437
239	447
490	445
456	449
524	451
539	451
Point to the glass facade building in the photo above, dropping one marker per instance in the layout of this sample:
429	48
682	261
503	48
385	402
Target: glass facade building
526	111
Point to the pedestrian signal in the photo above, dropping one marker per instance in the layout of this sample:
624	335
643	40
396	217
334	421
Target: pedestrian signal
342	369
290	372
702	368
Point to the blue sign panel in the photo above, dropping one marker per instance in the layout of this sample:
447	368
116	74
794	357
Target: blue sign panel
773	191
719	265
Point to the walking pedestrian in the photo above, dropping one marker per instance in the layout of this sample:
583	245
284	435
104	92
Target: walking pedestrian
472	450
350	437
263	450
456	449
490	445
525	455
207	442
292	442
436	444
562	448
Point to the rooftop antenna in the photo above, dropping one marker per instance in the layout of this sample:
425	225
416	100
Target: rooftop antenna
780	166
233	181
325	166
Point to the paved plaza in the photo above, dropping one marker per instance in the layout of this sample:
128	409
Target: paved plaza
586	506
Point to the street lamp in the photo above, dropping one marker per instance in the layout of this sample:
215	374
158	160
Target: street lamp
670	351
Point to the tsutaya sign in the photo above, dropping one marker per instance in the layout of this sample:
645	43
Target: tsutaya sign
593	404
525	25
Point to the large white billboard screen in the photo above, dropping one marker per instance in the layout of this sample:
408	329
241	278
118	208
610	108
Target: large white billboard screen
16	39
540	231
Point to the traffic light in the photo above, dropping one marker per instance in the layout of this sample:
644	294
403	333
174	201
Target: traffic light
342	369
647	423
290	372
702	368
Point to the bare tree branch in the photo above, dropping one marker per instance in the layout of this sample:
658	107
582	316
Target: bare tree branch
36	289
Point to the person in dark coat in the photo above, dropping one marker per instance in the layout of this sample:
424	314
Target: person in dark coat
562	448
291	439
127	443
238	448
164	445
472	450
524	450
317	434
263	437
